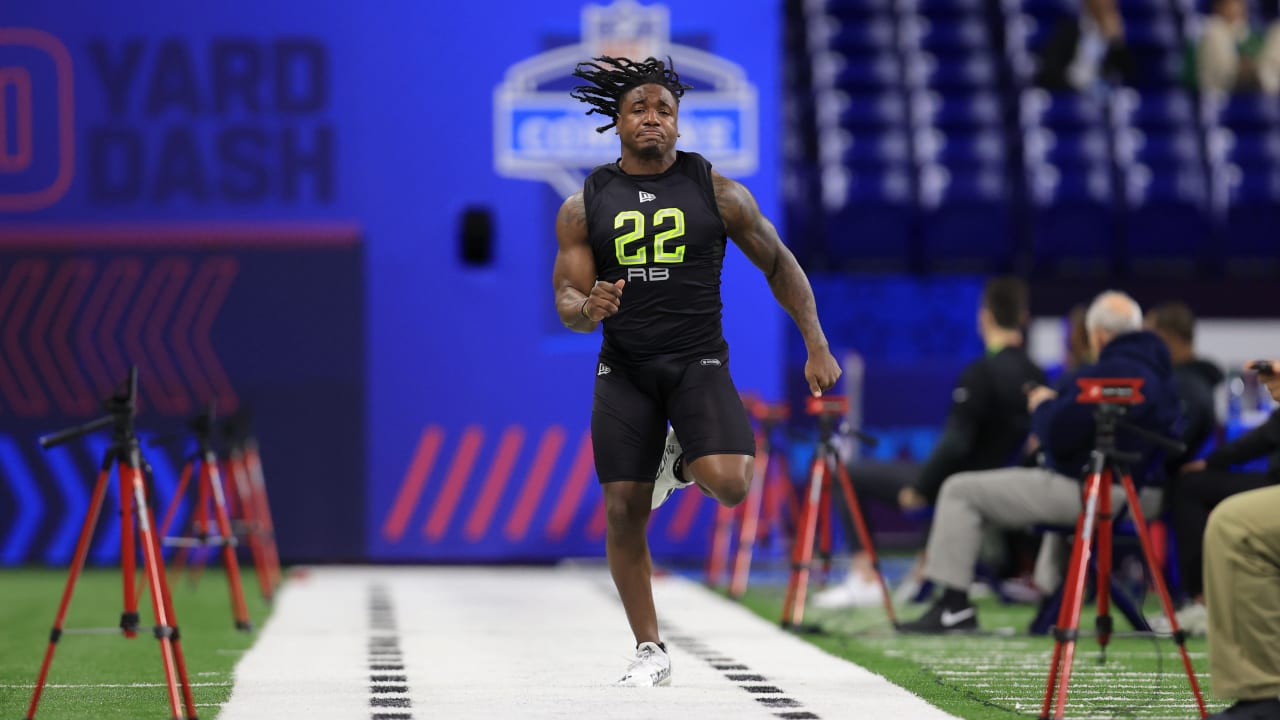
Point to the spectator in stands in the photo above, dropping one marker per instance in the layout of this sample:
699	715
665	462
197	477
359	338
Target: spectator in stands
984	429
1086	48
1018	497
1194	378
1232	56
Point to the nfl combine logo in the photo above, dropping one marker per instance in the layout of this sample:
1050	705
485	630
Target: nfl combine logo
540	133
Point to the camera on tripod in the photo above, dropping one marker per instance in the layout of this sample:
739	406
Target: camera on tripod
1110	391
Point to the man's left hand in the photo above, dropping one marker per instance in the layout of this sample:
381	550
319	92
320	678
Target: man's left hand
822	371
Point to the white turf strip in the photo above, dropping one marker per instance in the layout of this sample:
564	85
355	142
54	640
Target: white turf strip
531	643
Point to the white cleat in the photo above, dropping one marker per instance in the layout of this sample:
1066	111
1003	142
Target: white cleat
651	668
665	485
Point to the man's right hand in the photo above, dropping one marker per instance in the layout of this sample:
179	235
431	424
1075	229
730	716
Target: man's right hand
1270	379
604	300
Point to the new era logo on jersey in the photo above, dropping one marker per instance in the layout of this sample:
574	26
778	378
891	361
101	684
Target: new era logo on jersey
646	197
711	361
603	369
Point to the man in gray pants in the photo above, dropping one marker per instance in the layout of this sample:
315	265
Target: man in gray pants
1018	497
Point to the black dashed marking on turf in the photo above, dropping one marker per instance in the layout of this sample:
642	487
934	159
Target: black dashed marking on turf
386	691
742	676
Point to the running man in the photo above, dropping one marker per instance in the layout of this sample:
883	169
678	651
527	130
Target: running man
641	250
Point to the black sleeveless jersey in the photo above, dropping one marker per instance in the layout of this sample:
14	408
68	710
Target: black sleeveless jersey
662	234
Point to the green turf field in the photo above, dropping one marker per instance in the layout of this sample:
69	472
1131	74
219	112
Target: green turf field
998	677
106	677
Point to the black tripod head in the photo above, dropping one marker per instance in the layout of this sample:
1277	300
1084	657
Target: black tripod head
1112	398
122	409
201	427
237	427
831	411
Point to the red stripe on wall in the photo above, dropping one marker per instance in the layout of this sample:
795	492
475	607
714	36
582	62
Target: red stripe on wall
495	483
595	530
572	497
688	502
414	481
459	470
548	452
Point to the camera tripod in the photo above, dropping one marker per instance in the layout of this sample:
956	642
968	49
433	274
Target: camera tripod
771	486
135	507
1095	525
203	464
251	507
817	508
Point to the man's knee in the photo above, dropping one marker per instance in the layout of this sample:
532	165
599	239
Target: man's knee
733	489
726	477
955	487
623	512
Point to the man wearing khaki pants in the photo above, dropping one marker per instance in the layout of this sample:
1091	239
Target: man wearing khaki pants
1242	591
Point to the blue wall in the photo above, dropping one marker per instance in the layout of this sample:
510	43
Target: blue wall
383	124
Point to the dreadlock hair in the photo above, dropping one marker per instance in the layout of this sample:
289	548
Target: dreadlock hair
611	77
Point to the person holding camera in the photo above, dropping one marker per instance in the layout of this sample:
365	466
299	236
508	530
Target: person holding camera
1242	592
1051	494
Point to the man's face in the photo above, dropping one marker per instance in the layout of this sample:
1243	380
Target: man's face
647	120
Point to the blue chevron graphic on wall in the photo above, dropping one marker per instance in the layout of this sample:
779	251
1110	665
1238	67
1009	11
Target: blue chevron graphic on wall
45	495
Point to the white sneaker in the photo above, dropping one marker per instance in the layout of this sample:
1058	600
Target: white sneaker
666	483
651	668
1193	618
853	591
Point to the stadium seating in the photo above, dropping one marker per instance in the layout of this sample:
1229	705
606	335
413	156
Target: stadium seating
937	152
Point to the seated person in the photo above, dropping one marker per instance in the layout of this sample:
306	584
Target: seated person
1086	48
1194	378
985	429
1242	589
1202	485
1232	56
1018	497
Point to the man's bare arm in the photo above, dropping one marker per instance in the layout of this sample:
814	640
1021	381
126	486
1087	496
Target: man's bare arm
575	268
581	301
759	241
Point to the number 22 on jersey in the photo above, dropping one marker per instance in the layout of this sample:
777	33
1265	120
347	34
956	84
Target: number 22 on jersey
630	247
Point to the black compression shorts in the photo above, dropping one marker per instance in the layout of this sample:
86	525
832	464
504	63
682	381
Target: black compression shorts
633	404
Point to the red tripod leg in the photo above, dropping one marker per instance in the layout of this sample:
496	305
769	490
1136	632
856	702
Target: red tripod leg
183	480
802	548
153	568
824	527
200	555
1067	631
864	536
720	539
73	574
750	523
238	609
1179	637
128	555
179	660
244	496
1105	522
262	511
